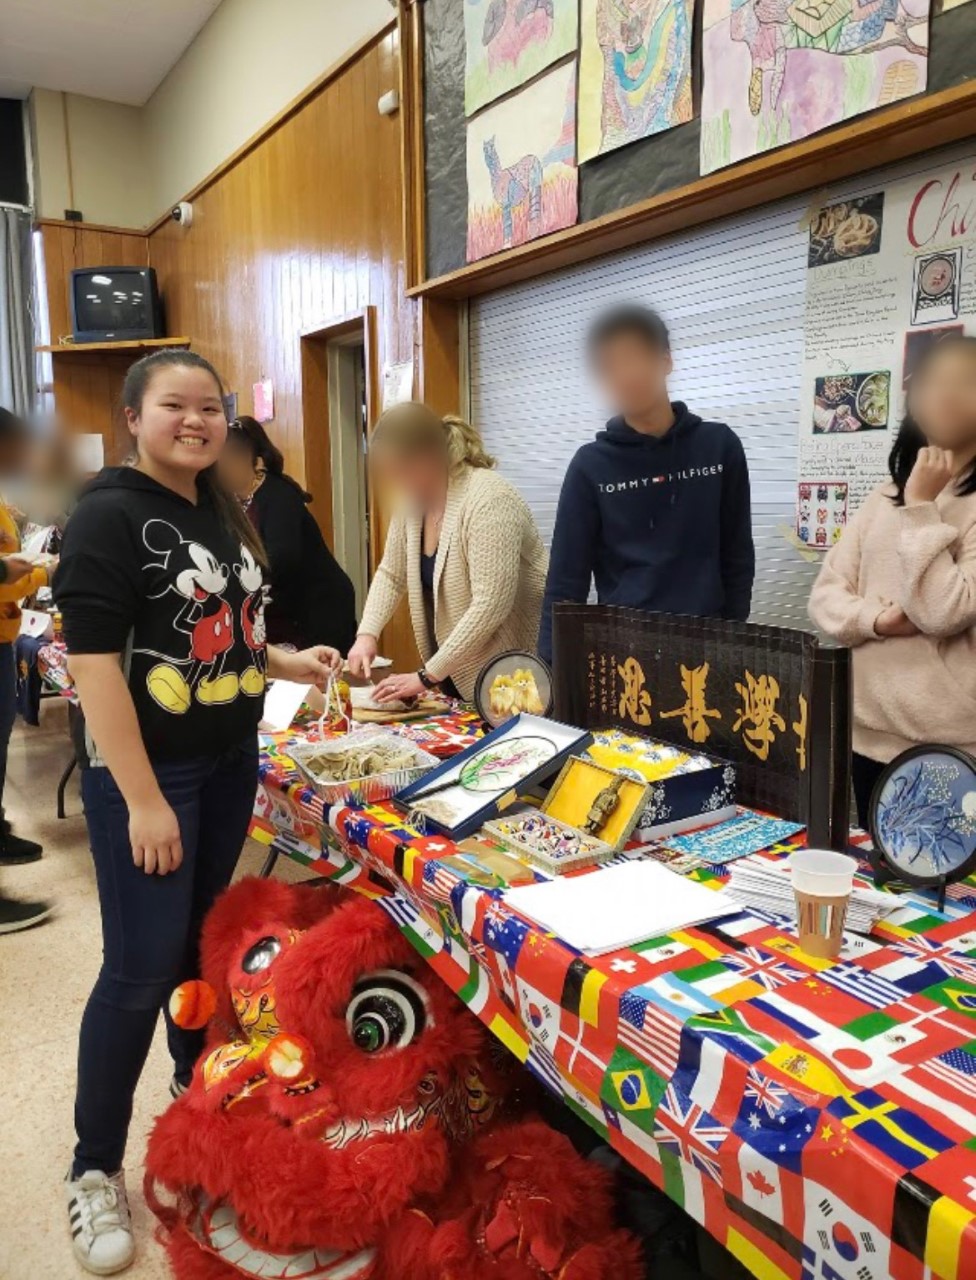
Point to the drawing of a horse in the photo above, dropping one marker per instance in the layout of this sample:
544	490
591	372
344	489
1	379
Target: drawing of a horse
515	186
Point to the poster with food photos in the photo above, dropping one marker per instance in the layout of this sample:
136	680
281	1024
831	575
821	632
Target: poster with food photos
890	273
821	512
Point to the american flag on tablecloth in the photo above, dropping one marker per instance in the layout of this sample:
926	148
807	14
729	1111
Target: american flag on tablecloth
439	881
649	1032
955	1068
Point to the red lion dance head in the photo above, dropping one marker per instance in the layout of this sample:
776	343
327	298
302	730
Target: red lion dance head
351	1119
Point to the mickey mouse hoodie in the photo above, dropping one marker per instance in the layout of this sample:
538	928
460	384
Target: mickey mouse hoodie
146	574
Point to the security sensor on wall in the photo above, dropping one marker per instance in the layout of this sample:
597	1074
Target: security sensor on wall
389	103
183	213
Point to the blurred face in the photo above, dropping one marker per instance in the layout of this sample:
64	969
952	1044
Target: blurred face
236	465
942	399
13	455
633	373
420	477
180	425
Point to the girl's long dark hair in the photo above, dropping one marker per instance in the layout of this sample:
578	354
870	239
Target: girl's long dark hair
228	509
252	434
911	438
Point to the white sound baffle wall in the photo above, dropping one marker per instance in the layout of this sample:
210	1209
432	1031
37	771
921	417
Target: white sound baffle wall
733	296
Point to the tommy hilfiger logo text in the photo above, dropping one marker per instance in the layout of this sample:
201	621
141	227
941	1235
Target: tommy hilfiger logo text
691	473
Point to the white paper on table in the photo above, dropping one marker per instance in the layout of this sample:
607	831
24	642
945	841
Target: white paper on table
88	448
281	704
35	623
617	906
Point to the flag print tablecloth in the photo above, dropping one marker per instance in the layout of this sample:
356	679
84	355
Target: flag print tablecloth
817	1118
52	663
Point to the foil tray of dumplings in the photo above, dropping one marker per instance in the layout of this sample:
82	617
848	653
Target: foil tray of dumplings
364	767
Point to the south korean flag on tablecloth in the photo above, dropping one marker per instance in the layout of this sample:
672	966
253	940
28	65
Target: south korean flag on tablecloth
838	1244
539	1014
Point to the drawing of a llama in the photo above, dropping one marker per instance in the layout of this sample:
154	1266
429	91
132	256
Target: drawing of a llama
513	186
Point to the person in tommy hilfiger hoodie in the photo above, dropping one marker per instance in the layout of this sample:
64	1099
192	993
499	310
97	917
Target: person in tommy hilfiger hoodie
656	509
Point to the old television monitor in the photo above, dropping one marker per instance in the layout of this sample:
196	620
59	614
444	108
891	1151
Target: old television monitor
115	304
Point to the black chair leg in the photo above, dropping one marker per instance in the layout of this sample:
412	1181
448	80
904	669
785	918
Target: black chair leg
269	864
72	765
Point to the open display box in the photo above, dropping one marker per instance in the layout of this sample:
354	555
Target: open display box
467	791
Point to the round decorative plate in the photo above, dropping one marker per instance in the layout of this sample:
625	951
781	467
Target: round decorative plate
512	683
937	277
922	815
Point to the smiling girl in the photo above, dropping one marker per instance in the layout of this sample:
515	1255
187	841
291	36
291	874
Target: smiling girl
159	587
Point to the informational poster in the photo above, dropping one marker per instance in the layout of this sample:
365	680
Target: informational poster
397	383
889	273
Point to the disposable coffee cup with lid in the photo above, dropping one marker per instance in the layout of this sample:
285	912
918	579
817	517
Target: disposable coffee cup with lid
822	884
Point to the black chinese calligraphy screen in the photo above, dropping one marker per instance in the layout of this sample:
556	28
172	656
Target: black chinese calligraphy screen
772	701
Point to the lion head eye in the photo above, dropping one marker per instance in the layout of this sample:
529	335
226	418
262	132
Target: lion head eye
387	1011
261	954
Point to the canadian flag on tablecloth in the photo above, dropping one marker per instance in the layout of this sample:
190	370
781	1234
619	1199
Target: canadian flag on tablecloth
761	1185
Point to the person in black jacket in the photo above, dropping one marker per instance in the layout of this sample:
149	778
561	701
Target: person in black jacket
312	599
656	510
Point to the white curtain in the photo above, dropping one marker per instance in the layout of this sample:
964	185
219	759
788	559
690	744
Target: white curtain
16	329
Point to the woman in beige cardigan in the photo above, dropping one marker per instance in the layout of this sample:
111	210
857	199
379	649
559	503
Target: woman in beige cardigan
465	550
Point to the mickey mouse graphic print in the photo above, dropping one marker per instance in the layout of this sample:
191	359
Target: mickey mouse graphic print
148	575
207	627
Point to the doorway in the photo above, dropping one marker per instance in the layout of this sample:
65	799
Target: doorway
348	426
337	400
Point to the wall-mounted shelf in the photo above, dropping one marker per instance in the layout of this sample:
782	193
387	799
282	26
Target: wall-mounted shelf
141	344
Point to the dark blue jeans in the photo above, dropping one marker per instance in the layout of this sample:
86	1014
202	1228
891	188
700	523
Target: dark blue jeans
151	933
8	714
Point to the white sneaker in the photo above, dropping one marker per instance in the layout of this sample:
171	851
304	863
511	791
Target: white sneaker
98	1214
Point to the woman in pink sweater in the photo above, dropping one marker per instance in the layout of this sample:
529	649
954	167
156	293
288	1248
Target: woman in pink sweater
900	587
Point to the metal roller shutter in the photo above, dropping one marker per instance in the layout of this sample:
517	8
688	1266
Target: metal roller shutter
733	296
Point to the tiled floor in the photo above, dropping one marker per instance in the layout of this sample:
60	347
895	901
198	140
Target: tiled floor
45	977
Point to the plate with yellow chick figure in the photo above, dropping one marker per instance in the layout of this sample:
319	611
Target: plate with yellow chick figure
513	683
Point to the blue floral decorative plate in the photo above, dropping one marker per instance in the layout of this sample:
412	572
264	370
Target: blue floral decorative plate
923	814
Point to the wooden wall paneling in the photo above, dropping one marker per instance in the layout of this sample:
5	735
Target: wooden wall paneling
440	357
87	387
411	38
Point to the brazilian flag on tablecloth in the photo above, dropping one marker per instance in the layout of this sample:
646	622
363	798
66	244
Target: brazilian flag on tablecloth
955	994
632	1088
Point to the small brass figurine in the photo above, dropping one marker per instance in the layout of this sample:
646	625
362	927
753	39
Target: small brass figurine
603	805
